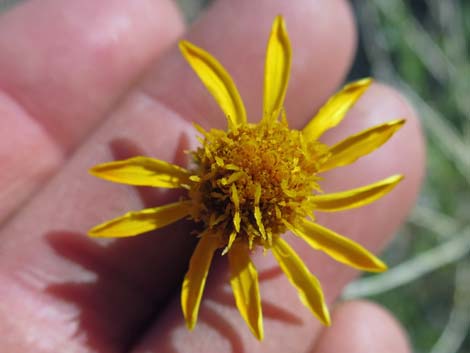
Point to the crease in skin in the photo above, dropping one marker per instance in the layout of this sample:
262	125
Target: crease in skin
32	310
39	279
11	106
144	98
25	134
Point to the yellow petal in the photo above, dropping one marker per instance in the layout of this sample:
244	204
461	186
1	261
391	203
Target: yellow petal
276	70
338	247
358	145
217	81
138	222
259	222
236	204
356	197
195	279
142	171
235	199
231	239
244	281
236	221
257	211
307	285
335	109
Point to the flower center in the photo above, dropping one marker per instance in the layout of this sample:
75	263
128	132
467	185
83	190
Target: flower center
252	180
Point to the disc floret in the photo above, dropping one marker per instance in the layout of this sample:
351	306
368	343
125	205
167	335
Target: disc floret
252	180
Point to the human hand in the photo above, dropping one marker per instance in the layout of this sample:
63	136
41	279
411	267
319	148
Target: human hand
75	95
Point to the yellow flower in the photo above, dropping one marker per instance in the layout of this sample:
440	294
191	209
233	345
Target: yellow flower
253	182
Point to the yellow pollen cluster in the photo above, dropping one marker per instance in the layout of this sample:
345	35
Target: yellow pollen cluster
251	180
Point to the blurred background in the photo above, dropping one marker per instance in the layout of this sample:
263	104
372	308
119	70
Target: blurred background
422	48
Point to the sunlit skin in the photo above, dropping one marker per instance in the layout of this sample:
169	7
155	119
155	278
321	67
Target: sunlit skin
253	182
76	76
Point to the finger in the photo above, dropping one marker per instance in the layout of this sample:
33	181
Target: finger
323	42
289	326
362	327
63	65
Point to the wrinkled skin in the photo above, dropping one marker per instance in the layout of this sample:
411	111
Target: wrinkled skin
83	82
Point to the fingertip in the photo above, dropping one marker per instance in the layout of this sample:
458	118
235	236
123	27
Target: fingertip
403	154
362	326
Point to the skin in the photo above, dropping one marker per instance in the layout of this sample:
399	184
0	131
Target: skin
91	81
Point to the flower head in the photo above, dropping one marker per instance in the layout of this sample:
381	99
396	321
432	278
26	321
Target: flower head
253	182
